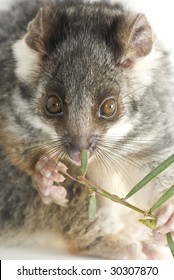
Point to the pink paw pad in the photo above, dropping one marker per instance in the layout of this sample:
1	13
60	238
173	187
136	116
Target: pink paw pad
46	173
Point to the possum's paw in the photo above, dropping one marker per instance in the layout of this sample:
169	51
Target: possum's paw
46	173
165	223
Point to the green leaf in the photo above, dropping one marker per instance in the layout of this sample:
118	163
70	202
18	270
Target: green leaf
151	223
170	243
84	161
163	199
92	208
151	176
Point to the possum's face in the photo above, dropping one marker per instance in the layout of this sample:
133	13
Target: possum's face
86	68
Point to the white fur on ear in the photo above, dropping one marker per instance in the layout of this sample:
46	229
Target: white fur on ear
27	61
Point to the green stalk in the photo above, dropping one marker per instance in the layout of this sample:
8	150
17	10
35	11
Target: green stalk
117	199
99	190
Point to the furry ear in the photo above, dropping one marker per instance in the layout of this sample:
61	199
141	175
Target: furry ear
44	33
134	37
141	39
39	31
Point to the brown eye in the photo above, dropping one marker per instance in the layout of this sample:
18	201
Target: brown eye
54	105
108	108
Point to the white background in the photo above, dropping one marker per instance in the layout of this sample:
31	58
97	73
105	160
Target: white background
161	16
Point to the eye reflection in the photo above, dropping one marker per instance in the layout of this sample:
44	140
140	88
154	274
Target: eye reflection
108	108
54	105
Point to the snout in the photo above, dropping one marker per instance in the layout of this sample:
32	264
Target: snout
75	154
75	149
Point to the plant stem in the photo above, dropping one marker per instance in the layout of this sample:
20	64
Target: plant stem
70	177
99	190
117	199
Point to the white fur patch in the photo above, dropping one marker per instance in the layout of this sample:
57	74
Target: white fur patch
142	71
27	60
119	130
117	182
34	120
118	218
37	123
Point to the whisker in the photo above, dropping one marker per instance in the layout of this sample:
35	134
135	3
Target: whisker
111	161
130	150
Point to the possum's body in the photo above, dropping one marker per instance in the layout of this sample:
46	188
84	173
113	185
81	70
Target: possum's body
83	55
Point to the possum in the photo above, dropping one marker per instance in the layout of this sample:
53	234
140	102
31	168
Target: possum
78	75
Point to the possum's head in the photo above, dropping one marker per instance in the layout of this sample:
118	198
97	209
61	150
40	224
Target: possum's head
87	66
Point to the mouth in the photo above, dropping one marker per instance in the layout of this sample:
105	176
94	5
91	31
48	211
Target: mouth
75	157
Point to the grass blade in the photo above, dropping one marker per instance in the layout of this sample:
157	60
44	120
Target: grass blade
84	161
170	243
163	199
152	175
92	208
